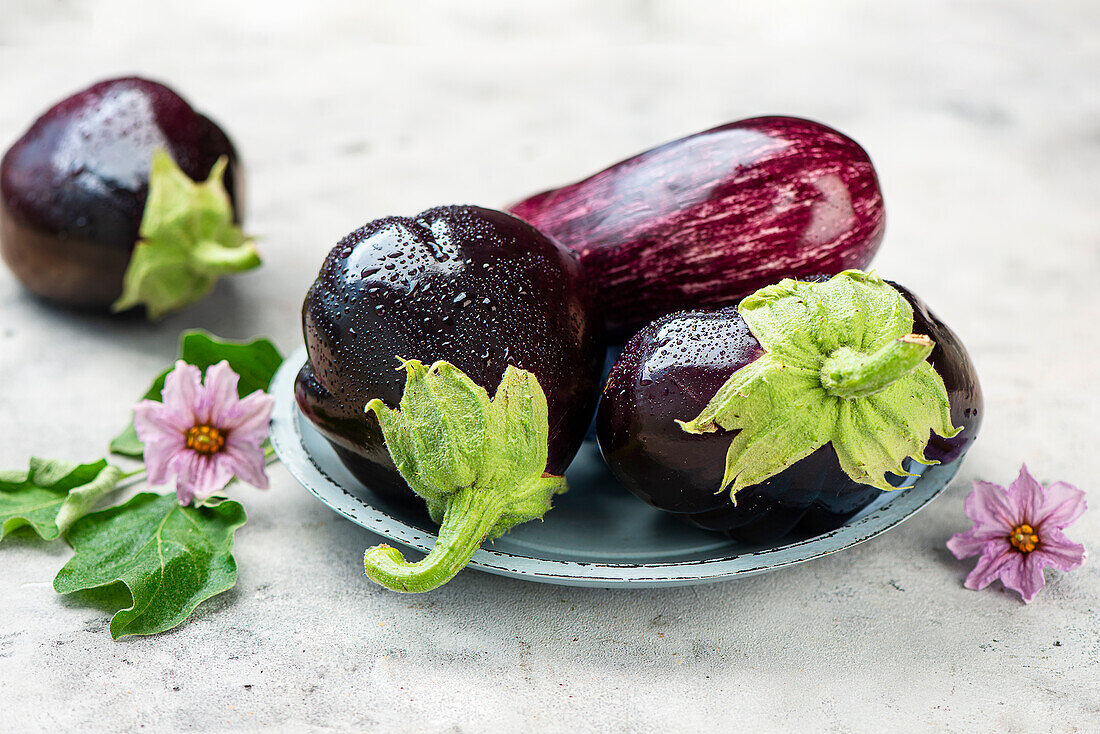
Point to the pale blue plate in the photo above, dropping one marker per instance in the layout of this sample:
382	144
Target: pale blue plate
598	534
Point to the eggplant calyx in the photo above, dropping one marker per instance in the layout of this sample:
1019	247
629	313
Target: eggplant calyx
188	239
477	463
847	373
840	366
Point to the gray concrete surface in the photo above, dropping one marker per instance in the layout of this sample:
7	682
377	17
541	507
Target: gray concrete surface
984	122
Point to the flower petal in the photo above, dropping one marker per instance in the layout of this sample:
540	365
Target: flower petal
1025	577
182	389
248	463
251	420
184	491
970	543
1062	505
199	476
219	395
996	557
159	456
153	420
1025	494
989	508
1058	551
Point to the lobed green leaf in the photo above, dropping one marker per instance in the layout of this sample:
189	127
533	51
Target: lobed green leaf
170	557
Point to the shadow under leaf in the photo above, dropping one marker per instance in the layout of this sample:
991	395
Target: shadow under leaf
106	599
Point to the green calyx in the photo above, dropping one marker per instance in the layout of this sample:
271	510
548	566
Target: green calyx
188	239
841	366
477	463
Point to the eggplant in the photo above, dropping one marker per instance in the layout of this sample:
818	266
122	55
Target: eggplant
473	290
681	395
73	188
703	221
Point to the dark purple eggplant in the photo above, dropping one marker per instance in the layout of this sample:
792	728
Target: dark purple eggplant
73	188
703	221
476	288
671	370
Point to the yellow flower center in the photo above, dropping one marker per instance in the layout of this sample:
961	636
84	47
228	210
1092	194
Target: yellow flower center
205	439
1023	538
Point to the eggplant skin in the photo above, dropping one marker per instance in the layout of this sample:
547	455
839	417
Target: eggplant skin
672	368
475	287
703	221
73	187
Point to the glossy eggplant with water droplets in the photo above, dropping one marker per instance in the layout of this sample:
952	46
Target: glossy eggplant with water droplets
472	286
491	304
703	221
73	188
678	402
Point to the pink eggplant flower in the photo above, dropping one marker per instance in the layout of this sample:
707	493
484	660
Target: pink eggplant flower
1018	532
204	433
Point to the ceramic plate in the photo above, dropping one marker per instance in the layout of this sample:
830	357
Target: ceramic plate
598	534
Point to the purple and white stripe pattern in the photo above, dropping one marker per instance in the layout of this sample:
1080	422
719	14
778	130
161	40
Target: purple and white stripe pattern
703	221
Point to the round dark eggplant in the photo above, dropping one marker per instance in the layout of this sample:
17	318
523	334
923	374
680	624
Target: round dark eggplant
703	221
475	287
674	366
73	188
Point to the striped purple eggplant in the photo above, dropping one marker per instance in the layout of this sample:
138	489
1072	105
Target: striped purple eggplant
703	221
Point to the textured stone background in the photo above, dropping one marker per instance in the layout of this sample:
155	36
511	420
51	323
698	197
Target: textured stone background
984	122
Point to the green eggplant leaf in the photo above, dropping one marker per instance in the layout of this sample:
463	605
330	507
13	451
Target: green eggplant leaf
51	495
255	361
171	558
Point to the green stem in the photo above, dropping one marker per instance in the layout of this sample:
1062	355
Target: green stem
471	513
130	478
847	373
221	258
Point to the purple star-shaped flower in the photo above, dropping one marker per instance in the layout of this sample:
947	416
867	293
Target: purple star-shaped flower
1018	533
204	433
